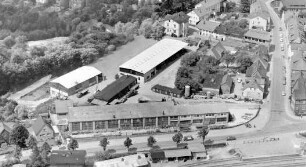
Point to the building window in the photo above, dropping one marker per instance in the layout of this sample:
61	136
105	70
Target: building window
100	125
174	26
150	121
137	122
162	121
221	119
75	126
87	125
113	124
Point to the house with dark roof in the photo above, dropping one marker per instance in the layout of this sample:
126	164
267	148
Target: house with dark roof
258	72
252	90
217	51
226	84
212	83
298	61
117	89
167	91
5	132
176	24
207	28
298	100
42	130
70	158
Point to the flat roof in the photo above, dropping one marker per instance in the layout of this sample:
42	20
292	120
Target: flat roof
177	153
141	110
153	56
258	34
77	76
115	88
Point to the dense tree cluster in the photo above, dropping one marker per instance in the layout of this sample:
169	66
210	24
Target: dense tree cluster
11	111
175	6
194	67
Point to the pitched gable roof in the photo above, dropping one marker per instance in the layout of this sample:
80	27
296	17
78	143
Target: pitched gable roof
265	15
253	84
207	25
300	91
263	35
299	61
39	124
3	127
256	70
227	80
217	50
180	17
260	59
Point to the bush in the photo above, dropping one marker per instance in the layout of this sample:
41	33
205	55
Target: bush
10	163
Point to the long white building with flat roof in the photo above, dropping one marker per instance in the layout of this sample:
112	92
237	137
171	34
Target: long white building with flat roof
148	63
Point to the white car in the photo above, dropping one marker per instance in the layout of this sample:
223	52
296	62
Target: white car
239	80
283	93
281	39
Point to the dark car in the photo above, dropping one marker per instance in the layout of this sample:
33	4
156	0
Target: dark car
229	138
81	94
188	138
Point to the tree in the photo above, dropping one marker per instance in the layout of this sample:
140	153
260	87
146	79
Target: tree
230	7
151	141
31	142
19	135
177	137
17	154
244	62
9	41
203	133
228	58
103	143
73	144
128	142
245	6
283	9
44	152
102	155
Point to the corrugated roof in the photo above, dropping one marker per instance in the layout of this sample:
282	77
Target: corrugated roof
77	76
153	56
140	110
177	153
115	88
263	35
71	157
126	161
207	25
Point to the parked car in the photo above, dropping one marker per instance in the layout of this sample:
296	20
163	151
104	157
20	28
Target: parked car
283	93
280	29
83	93
281	39
230	138
188	138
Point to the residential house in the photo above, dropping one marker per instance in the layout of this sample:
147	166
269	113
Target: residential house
207	29
198	152
216	51
42	130
212	83
257	36
68	158
298	99
226	84
5	132
196	16
294	5
252	90
258	7
211	6
136	160
293	28
261	21
298	61
176	24
258	72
